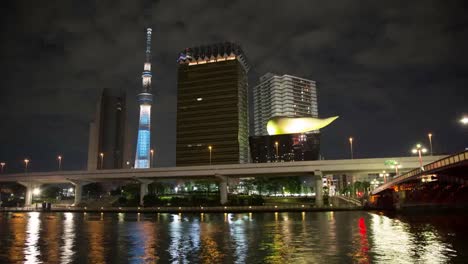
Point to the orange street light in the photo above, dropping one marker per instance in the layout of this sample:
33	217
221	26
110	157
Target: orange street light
419	149
276	146
26	163
102	160
59	159
430	141
351	147
210	149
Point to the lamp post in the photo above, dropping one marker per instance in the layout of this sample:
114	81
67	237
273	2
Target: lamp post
464	120
3	165
384	174
101	155
396	166
276	147
59	159
374	183
152	158
430	141
419	149
26	163
351	147
210	149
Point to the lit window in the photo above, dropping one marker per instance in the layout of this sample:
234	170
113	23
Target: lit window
199	99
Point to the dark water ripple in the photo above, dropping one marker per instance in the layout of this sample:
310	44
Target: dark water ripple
313	237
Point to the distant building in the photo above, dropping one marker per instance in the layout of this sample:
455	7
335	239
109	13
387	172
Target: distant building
107	132
285	147
212	108
285	95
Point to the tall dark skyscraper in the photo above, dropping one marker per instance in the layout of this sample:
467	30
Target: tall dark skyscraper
212	106
106	148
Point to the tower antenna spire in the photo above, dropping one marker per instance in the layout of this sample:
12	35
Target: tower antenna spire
145	99
148	44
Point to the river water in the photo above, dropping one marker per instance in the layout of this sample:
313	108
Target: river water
312	237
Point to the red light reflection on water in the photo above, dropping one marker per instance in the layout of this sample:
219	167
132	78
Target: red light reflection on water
364	243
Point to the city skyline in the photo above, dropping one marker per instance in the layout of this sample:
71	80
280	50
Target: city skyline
392	75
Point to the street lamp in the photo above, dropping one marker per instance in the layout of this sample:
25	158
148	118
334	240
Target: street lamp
375	183
3	165
102	159
210	148
418	150
276	146
430	141
396	166
59	159
152	158
351	147
26	163
464	120
384	174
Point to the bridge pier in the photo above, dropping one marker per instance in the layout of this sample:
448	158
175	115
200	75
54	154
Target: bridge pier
78	190
30	187
143	189
223	188
318	188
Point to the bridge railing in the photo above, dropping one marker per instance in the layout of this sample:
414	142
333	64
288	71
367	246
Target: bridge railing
438	164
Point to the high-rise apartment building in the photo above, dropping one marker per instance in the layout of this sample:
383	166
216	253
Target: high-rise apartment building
284	95
106	149
212	106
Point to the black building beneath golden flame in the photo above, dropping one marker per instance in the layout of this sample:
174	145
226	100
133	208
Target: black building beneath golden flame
285	147
212	108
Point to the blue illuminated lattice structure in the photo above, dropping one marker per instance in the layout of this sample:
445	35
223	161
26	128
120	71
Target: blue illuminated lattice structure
145	99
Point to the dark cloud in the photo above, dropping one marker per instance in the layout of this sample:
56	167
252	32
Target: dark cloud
393	71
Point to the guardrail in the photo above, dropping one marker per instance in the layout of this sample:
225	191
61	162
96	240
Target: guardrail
439	164
182	209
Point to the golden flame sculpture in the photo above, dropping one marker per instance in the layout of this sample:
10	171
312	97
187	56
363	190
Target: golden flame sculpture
292	125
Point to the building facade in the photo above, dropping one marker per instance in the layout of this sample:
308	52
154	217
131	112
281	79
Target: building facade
106	148
212	106
285	147
285	95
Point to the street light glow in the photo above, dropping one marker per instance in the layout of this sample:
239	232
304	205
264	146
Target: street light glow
464	120
36	191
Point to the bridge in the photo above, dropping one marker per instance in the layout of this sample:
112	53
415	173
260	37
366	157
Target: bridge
427	185
221	173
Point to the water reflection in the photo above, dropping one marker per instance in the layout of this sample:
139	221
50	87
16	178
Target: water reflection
184	239
143	243
68	238
17	224
303	237
95	233
31	251
50	231
394	239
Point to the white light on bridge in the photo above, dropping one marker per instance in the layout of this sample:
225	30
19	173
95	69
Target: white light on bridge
36	191
464	120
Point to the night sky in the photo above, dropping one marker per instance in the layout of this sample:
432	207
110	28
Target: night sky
392	70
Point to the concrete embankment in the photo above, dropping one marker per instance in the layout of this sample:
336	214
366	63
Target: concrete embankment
198	209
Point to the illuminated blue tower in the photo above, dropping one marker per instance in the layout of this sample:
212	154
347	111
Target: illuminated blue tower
145	99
